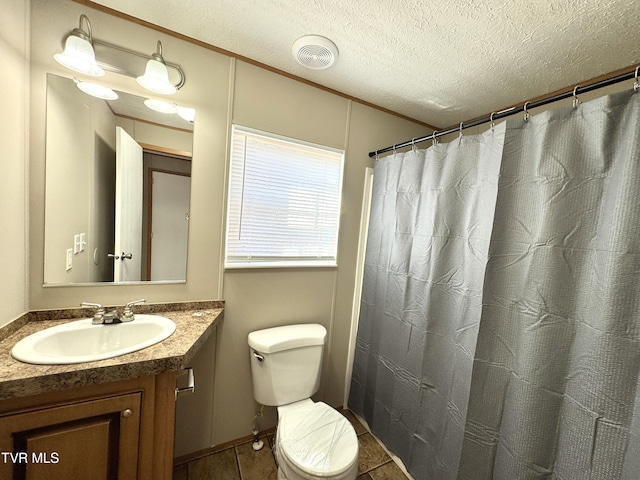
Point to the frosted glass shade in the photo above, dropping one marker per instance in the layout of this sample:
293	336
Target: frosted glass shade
188	114
156	78
78	55
98	91
160	106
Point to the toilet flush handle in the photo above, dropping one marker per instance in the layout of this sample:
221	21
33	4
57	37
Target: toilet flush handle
258	356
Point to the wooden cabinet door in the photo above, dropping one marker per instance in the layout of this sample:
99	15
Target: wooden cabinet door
89	440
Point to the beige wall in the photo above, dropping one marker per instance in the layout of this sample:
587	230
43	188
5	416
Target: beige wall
14	98
223	91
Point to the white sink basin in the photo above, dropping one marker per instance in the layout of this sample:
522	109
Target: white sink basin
80	341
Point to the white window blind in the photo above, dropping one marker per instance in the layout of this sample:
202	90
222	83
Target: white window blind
284	201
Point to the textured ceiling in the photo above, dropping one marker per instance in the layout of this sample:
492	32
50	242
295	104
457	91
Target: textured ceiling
441	62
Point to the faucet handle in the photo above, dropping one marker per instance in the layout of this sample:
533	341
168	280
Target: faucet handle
98	317
128	315
135	302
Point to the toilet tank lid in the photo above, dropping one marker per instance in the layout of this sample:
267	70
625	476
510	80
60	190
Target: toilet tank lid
286	337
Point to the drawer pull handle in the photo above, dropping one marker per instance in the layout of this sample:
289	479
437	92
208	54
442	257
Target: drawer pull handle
127	413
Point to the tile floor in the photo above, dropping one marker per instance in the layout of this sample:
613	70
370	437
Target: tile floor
241	462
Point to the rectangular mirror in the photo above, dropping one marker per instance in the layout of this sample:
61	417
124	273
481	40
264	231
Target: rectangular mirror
117	193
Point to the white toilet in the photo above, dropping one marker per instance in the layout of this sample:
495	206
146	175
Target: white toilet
313	441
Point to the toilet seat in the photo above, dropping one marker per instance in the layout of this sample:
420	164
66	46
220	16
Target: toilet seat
315	441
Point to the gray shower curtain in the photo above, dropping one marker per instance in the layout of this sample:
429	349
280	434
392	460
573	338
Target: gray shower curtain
499	333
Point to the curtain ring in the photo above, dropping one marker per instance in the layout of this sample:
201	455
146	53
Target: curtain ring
493	124
576	100
460	133
527	115
413	145
636	83
434	141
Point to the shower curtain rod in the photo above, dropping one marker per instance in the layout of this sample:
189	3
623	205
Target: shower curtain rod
513	110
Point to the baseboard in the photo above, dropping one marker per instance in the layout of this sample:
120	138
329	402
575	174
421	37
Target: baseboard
218	448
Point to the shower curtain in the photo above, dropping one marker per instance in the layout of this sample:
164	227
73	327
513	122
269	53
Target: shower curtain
499	333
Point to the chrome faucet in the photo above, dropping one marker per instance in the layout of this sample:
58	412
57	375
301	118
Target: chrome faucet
128	315
101	317
98	317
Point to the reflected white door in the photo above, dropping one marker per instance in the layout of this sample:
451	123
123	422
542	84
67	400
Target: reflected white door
169	225
128	228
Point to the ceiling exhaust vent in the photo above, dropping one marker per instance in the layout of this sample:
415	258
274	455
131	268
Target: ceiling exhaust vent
314	51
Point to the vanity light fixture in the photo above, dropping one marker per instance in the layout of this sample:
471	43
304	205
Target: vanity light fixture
160	106
78	54
96	90
87	55
156	75
186	113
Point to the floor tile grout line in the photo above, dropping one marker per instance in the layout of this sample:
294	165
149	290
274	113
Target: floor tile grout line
235	454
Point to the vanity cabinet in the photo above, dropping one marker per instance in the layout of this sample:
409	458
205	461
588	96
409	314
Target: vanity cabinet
116	430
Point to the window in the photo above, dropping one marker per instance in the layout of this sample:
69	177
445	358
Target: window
284	202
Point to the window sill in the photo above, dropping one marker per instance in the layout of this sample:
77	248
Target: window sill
278	265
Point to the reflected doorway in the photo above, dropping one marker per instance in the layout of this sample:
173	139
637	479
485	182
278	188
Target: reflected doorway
167	192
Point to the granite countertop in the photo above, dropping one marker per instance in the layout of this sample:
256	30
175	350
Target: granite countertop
195	321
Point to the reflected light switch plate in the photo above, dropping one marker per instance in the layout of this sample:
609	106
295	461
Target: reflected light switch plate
69	258
83	241
76	244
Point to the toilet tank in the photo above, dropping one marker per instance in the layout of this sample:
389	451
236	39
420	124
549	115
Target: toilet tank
286	362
